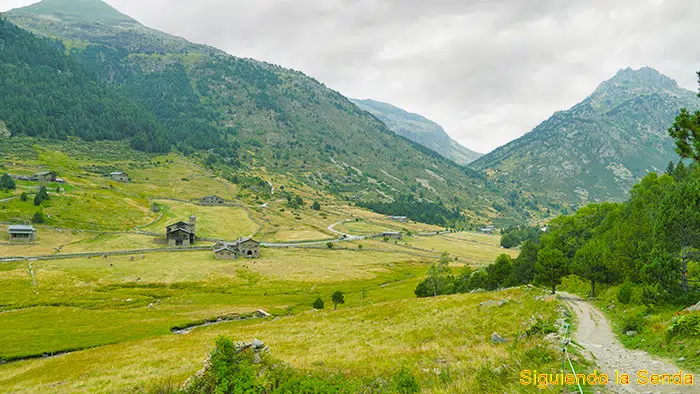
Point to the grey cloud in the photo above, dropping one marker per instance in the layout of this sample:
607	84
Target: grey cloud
488	71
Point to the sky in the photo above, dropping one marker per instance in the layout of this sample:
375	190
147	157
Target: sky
487	71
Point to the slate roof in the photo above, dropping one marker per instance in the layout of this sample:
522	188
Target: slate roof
19	229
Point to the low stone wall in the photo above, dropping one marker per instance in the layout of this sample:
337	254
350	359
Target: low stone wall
101	254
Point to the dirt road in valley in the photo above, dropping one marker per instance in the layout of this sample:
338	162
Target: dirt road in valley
596	336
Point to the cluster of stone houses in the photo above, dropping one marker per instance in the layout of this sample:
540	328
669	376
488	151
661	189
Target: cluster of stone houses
183	234
243	247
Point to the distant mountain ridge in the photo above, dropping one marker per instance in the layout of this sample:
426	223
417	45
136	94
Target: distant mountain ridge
419	129
249	116
599	148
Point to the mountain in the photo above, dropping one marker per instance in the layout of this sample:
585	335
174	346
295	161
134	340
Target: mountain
598	149
40	83
419	129
254	117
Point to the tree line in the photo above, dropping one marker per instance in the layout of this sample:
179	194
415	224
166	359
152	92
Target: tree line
418	210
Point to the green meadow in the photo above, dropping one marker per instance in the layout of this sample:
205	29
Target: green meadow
102	323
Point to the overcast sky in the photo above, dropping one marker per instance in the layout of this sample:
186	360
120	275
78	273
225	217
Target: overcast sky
487	71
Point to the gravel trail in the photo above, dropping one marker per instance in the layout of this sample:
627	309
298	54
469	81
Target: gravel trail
596	336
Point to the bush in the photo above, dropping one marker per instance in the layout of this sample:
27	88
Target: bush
38	218
316	206
329	245
685	325
624	294
405	382
633	323
24	196
541	327
318	304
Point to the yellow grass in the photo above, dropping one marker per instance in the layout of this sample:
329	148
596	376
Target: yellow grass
178	178
223	222
446	333
473	248
49	241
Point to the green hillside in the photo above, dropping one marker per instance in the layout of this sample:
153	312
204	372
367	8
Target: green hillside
254	115
599	148
420	130
95	9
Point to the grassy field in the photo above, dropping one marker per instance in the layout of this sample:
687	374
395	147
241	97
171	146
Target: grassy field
470	247
427	336
117	291
120	309
222	222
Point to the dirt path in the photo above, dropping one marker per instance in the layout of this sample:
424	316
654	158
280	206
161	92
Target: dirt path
596	336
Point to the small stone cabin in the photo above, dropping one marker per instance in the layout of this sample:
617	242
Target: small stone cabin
119	176
401	219
44	176
391	235
181	233
212	200
22	233
244	247
487	229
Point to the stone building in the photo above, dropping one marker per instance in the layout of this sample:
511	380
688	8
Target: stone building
181	233
391	235
212	200
21	233
119	176
44	176
244	247
400	219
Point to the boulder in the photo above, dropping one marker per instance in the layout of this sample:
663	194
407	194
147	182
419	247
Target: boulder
503	302
631	333
693	308
552	337
488	303
495	338
256	358
258	344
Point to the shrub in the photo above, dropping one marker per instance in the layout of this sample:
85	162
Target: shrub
318	304
24	196
541	327
405	382
38	218
329	245
624	294
316	206
685	325
633	323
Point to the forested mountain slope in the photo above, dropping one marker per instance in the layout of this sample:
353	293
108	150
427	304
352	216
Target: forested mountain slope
44	92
